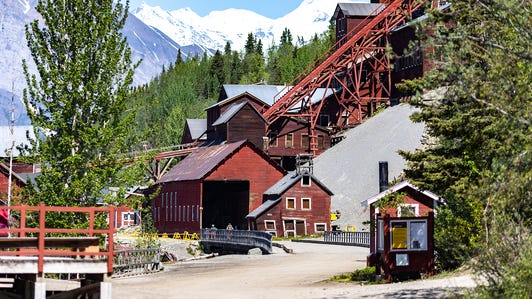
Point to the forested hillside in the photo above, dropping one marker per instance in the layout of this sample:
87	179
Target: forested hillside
187	87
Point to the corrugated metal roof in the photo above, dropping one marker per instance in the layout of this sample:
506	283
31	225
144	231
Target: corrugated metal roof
197	127
358	9
289	180
201	162
229	113
263	208
265	93
19	135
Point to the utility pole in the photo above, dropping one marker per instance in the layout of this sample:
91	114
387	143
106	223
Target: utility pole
12	131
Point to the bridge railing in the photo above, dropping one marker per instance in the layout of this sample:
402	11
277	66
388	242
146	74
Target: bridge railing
43	241
244	238
136	262
347	238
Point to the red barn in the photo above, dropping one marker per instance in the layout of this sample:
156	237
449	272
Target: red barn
298	204
217	185
17	182
402	237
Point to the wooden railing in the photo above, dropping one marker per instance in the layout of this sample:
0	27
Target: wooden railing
346	238
136	262
244	239
44	241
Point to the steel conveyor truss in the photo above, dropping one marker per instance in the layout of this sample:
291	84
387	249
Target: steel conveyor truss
358	71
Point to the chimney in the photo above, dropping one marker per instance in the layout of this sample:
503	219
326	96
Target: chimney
383	175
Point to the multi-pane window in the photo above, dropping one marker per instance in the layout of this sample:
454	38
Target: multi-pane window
269	224
289	140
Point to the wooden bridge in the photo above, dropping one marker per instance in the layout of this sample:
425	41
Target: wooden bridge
32	252
235	241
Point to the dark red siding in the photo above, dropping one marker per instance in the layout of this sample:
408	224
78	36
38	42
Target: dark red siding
319	212
177	207
246	164
246	124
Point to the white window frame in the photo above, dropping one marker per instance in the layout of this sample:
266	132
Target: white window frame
128	213
320	231
291	141
414	205
309	180
295	204
309	204
408	235
266	225
380	233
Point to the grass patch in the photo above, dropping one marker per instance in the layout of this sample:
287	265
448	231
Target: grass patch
361	275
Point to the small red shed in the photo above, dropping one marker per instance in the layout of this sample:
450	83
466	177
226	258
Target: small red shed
298	204
217	185
402	237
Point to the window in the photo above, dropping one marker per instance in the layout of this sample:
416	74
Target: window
128	218
290	203
305	180
380	232
304	140
324	120
321	142
273	140
408	210
305	203
269	224
289	140
409	235
320	227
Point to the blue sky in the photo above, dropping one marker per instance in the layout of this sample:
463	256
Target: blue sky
269	8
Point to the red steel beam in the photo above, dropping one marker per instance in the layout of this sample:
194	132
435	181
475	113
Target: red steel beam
365	49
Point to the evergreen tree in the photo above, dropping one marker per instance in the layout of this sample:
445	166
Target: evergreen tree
78	101
217	67
478	155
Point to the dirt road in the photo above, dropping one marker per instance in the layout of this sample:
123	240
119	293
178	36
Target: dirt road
279	275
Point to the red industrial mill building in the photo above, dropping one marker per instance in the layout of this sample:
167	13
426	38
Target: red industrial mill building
217	185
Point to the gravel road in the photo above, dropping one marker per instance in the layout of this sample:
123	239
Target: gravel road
279	275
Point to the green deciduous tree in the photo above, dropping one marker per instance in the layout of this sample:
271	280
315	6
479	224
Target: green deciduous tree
78	100
478	153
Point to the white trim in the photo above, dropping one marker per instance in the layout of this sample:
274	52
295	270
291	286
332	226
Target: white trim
309	180
309	203
396	188
316	227
295	204
266	225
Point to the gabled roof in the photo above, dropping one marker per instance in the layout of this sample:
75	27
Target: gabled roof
396	188
232	111
267	205
238	96
205	160
289	180
358	9
197	127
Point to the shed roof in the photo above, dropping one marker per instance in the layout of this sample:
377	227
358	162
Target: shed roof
358	9
265	206
289	180
398	187
197	127
232	111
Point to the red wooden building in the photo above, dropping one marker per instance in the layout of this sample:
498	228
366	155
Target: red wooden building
298	204
17	182
217	184
402	238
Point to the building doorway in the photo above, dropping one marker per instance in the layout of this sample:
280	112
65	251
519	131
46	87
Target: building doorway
225	202
294	227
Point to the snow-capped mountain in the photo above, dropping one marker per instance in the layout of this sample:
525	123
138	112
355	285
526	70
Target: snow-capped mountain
146	43
186	27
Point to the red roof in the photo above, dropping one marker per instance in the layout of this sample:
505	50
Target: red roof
204	160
